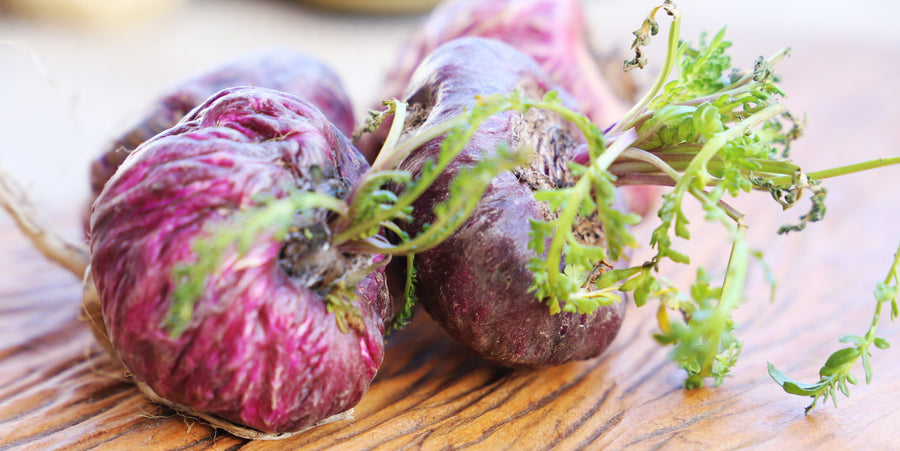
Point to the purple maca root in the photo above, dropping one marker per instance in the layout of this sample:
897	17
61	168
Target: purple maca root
261	349
552	32
476	283
283	70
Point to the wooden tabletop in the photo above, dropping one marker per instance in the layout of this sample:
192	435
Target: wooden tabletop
58	389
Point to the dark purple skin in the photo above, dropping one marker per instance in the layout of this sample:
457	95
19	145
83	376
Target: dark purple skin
260	350
552	32
283	70
475	284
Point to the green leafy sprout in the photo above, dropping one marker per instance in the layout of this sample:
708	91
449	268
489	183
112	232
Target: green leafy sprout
835	373
707	131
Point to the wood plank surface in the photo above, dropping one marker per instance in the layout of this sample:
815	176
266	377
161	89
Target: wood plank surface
59	390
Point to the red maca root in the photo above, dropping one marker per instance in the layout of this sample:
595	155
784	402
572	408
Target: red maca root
261	347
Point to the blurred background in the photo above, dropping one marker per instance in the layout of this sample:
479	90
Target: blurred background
76	73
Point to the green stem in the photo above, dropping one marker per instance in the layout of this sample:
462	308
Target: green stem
566	219
653	160
436	233
356	229
668	64
402	317
614	151
581	190
699	164
730	298
680	162
669	171
836	371
891	276
840	170
732	213
732	287
388	154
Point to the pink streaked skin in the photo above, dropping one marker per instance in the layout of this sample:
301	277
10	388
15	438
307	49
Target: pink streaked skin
283	70
260	350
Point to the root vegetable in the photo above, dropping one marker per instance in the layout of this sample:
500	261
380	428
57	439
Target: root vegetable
261	347
238	255
476	283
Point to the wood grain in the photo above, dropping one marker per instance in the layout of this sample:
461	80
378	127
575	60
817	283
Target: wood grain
58	390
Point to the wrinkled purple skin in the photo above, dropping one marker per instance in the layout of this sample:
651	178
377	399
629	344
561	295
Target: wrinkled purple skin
283	70
476	283
553	32
260	350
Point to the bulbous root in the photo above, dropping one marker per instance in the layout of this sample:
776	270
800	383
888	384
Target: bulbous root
76	258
